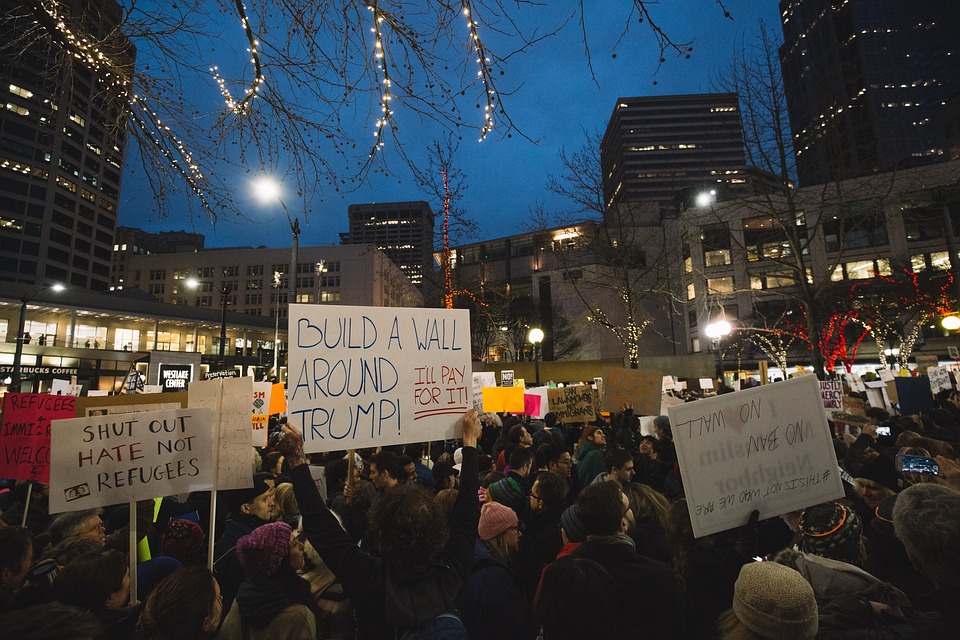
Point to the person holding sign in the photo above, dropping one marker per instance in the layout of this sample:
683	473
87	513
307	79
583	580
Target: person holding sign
413	585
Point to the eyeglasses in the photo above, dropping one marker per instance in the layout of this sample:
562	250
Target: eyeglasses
536	497
565	461
97	527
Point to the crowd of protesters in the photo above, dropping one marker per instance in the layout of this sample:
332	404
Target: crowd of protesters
524	529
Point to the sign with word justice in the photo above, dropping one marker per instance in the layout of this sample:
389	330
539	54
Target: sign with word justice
367	376
110	459
25	433
766	448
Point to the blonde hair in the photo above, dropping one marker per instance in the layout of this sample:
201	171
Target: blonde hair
499	548
729	627
859	484
285	502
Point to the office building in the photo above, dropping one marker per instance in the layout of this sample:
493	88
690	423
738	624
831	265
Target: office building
62	144
402	230
655	146
132	241
864	82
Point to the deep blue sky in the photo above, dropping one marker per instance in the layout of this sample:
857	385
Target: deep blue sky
556	103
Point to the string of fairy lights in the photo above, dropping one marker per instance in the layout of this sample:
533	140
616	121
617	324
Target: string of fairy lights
484	71
243	106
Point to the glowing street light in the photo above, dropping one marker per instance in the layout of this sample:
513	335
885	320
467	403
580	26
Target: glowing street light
21	337
268	190
535	337
950	323
706	198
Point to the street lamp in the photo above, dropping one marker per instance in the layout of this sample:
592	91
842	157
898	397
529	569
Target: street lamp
268	190
535	337
18	353
193	283
716	331
950	323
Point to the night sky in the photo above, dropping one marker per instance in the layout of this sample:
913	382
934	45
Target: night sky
555	103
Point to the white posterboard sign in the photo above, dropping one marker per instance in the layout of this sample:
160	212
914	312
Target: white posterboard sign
368	376
706	384
831	394
886	375
668	383
939	379
261	412
102	460
480	380
229	402
766	448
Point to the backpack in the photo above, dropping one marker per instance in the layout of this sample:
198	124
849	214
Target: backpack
446	626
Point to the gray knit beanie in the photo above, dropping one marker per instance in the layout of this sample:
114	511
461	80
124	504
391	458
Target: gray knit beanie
775	602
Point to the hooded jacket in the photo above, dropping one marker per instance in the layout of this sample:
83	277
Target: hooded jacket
494	608
589	462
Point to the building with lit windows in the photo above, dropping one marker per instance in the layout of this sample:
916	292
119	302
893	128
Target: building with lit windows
655	146
865	81
62	146
402	230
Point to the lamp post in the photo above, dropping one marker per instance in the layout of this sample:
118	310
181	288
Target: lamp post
268	190
21	327
276	327
535	337
193	283
716	331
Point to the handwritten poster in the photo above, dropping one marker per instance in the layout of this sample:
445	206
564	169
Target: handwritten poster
939	379
481	380
572	404
228	400
103	460
368	376
25	433
262	392
633	387
831	393
766	448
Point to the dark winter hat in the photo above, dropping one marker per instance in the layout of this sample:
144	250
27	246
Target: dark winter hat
495	518
572	525
775	602
883	522
443	470
831	530
882	471
261	552
507	492
235	498
183	540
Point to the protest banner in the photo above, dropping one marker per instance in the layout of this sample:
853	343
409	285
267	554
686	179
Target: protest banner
503	399
831	393
766	448
481	380
228	400
506	378
369	376
25	433
939	379
103	460
261	408
572	404
632	387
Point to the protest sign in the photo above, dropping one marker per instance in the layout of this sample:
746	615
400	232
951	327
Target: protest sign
503	399
925	361
576	403
481	380
65	388
531	405
368	376
706	384
261	416
853	411
278	399
766	448
102	460
544	404
668	400
228	400
855	382
831	393
913	395
939	379
25	433
668	384
506	378
632	387
886	375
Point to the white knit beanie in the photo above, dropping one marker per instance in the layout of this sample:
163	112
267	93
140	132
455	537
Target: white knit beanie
775	602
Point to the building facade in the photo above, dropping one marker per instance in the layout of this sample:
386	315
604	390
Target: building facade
402	230
657	145
865	81
62	143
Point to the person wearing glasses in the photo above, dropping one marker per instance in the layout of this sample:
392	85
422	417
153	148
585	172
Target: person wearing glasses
541	542
87	524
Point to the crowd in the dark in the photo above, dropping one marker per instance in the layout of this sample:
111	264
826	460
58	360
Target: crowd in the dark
524	529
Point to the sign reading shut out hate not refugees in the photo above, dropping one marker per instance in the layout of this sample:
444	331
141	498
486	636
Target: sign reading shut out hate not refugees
109	459
767	448
368	376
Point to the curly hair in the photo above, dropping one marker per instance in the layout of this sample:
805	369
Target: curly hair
406	524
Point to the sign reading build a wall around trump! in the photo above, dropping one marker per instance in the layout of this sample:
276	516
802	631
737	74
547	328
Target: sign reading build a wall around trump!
767	448
368	376
103	460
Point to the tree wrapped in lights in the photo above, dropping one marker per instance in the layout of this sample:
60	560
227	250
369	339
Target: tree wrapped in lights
316	81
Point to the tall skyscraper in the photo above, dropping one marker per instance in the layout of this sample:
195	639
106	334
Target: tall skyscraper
865	81
402	230
61	148
655	146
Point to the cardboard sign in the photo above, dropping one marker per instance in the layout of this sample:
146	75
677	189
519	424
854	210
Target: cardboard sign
766	448
831	393
853	411
102	460
925	361
261	416
25	433
573	404
229	403
939	379
503	399
506	378
368	376
635	388
175	377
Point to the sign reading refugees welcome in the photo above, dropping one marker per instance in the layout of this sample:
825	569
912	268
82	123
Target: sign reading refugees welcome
368	376
767	448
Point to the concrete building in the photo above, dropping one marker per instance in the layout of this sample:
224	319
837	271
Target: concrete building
402	230
655	146
62	146
864	82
